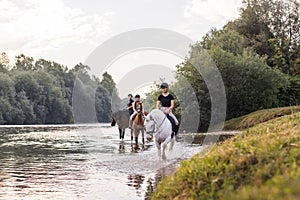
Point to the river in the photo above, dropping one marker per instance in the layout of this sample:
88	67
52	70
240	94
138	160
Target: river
80	162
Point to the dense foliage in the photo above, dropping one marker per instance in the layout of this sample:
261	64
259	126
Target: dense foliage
258	56
40	92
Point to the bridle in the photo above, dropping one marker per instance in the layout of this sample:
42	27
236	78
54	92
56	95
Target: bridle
157	127
139	108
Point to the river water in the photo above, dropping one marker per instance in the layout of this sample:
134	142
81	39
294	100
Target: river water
80	162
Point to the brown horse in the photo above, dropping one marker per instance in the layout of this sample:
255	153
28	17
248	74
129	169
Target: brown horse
122	119
138	124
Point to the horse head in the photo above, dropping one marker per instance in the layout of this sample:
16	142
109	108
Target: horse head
139	119
121	118
139	107
149	124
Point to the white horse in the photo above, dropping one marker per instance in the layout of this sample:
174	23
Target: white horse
157	123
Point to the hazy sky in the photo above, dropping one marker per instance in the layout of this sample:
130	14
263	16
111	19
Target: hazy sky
67	31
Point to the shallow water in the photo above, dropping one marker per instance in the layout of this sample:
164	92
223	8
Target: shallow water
87	162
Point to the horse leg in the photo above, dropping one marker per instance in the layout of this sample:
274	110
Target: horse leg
131	132
143	136
158	149
172	144
120	133
164	146
123	134
134	148
136	134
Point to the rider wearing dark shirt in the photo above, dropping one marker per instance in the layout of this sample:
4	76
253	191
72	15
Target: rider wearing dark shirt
165	102
129	104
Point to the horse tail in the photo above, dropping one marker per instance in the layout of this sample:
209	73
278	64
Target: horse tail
113	122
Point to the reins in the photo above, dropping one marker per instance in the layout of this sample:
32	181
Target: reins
162	122
158	127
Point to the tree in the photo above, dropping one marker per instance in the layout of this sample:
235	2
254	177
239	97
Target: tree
24	63
81	68
5	111
108	83
23	111
272	29
103	104
51	100
4	62
227	39
40	92
7	87
249	82
254	29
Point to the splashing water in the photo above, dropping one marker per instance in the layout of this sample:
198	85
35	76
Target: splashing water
87	162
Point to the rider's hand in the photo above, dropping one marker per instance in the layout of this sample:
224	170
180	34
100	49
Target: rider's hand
167	111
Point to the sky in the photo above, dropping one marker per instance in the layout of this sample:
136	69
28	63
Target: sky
67	31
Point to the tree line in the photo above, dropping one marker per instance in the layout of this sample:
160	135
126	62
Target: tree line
40	91
258	56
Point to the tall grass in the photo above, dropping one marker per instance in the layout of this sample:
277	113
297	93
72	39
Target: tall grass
260	163
260	116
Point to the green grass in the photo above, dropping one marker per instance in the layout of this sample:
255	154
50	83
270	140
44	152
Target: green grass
257	117
263	162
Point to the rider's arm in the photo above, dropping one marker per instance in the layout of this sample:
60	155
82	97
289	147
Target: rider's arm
172	105
129	107
158	104
133	107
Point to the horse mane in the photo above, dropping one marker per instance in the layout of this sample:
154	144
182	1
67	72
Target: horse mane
157	114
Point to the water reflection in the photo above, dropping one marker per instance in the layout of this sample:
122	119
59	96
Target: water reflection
131	147
35	162
136	181
122	147
56	162
153	181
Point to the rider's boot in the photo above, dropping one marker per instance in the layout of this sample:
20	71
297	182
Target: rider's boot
176	129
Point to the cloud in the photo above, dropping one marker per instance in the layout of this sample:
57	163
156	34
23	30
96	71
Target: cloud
202	15
35	26
212	10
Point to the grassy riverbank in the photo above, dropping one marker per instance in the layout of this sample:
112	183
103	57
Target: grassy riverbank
260	163
259	116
